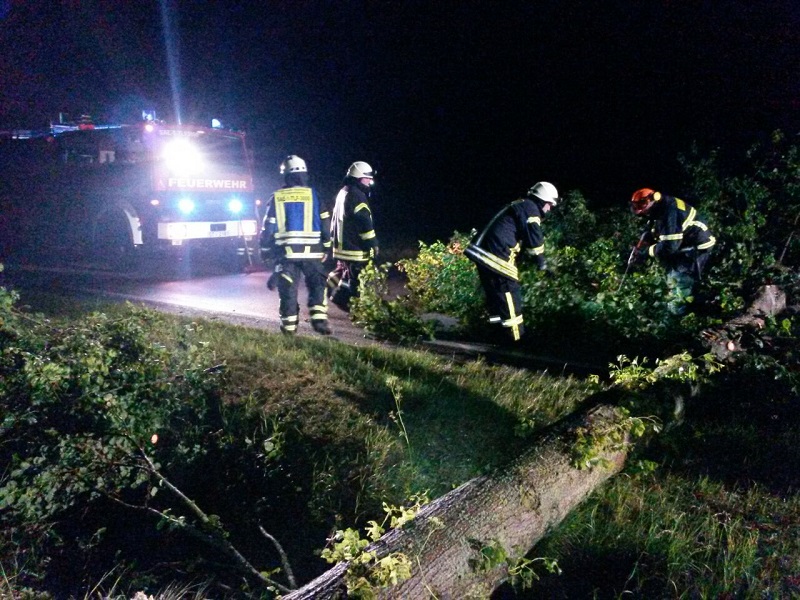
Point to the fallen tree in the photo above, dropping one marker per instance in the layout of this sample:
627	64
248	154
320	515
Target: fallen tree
467	542
508	511
727	339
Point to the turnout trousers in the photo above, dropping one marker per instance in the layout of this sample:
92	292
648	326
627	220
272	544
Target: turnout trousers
289	273
504	301
344	282
683	273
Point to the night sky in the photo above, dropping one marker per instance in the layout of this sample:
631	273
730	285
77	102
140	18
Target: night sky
460	106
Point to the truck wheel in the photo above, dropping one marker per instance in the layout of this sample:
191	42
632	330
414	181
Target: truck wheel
112	243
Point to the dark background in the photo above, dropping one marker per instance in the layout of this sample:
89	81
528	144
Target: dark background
460	106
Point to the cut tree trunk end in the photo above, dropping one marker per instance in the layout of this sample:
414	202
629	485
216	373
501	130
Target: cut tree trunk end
726	340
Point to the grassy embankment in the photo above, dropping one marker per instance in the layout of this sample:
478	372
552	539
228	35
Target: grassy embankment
349	428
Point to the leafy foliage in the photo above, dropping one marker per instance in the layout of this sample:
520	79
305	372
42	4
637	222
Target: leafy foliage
756	213
367	573
608	308
83	403
441	279
522	572
93	412
397	320
612	435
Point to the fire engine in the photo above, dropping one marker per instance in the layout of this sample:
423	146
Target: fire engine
116	191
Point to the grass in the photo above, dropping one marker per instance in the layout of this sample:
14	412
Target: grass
355	426
333	388
669	536
333	440
720	517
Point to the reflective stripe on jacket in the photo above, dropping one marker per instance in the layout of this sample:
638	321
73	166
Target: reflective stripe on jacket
296	223
677	228
515	227
352	230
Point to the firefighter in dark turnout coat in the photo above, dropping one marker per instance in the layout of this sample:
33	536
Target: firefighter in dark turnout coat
678	238
353	234
296	235
517	227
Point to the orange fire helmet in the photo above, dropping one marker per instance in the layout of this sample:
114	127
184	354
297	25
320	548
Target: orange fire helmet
643	200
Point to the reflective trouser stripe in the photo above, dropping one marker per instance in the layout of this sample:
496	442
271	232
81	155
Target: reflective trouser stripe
319	312
289	323
351	255
492	262
515	320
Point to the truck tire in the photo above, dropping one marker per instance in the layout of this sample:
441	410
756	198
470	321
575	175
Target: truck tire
112	242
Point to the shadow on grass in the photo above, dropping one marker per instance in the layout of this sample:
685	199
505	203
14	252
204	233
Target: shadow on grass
596	573
743	430
445	417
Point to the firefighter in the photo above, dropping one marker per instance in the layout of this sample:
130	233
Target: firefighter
355	243
676	236
517	227
296	235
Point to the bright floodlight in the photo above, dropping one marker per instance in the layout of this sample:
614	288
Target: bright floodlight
186	205
182	157
235	206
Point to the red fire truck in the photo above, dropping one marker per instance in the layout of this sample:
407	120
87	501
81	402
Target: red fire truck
114	192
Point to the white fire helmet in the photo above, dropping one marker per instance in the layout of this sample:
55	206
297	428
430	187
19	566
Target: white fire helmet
544	191
293	164
360	169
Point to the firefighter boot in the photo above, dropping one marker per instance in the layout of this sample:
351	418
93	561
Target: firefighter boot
289	325
321	327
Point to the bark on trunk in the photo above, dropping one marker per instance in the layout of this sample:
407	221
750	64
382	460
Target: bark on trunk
517	506
727	339
514	508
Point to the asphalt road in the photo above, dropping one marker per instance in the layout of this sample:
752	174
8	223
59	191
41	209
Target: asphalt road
207	291
220	292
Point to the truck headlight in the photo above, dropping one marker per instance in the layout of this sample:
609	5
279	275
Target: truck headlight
186	205
235	206
249	228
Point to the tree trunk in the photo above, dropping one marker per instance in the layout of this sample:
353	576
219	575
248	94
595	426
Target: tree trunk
513	508
727	339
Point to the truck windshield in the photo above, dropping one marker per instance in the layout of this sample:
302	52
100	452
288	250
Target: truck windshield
199	151
222	149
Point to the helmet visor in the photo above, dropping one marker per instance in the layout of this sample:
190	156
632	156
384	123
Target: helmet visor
640	205
642	200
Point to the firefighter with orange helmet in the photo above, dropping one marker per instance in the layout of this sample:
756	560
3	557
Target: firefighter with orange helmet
517	227
296	235
678	237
